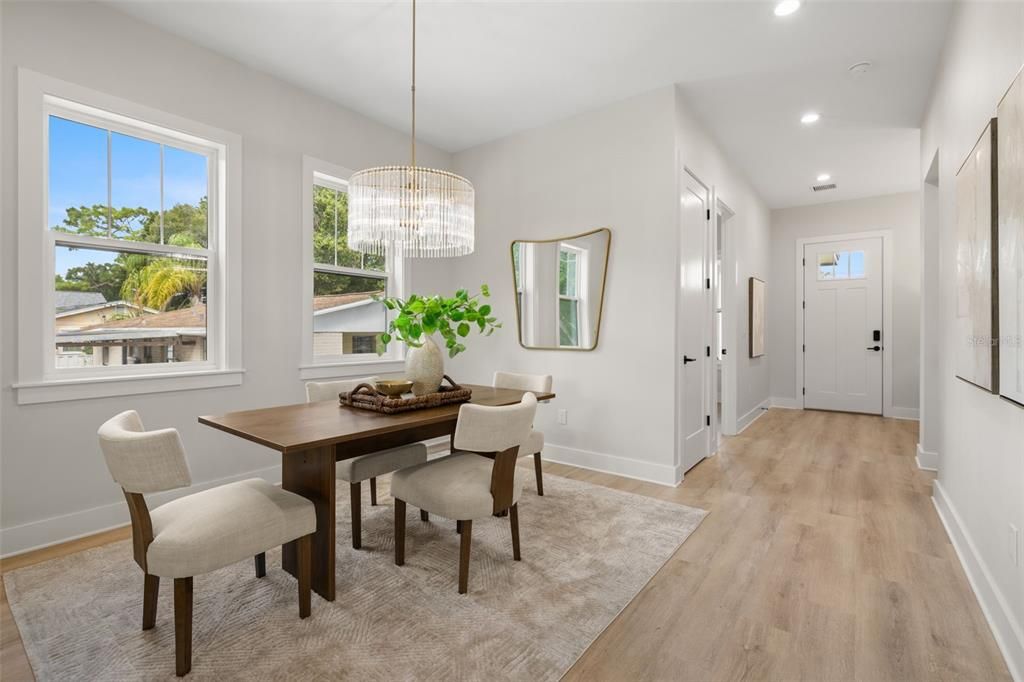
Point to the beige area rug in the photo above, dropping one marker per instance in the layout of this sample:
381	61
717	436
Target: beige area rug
587	551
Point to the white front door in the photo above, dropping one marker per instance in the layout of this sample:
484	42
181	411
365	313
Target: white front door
843	335
694	321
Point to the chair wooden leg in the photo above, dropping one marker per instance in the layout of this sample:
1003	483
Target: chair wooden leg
150	592
373	491
357	515
424	515
540	473
458	526
513	514
399	532
467	538
304	550
182	626
261	564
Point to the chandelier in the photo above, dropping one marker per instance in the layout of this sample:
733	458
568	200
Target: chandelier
410	210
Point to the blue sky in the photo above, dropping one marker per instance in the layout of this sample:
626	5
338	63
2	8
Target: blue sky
78	177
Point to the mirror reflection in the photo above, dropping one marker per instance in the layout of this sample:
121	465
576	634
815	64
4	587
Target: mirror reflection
559	285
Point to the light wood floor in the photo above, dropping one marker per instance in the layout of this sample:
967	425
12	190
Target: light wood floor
822	559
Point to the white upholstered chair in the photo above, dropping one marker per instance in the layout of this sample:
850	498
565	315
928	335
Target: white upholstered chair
358	469
538	383
463	485
201	532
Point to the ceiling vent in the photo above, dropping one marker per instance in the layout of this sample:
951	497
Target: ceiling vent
822	188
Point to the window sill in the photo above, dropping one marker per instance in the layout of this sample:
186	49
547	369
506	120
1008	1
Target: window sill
351	368
105	387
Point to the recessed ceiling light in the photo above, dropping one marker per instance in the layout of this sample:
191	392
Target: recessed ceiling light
786	7
824	177
810	117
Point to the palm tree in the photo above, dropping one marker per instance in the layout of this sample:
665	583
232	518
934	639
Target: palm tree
158	283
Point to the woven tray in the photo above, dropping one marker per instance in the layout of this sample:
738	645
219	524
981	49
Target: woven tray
367	397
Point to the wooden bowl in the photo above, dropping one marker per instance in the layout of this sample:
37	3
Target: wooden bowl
394	387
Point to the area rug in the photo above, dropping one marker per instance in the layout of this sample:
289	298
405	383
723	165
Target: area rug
587	551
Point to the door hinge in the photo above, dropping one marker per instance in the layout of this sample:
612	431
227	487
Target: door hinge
709	214
707	351
804	391
804	303
805	347
707	283
707	419
803	262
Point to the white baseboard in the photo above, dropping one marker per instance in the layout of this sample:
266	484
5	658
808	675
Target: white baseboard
663	474
57	529
1006	630
928	461
909	413
750	417
786	403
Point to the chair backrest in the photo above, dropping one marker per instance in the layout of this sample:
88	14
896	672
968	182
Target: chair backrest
538	383
143	461
317	391
482	428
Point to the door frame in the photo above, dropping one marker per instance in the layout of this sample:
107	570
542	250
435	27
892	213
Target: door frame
887	328
679	402
727	280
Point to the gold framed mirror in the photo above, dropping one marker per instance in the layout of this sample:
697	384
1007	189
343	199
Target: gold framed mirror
559	290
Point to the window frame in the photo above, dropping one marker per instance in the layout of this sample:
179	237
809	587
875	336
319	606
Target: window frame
579	255
39	380
326	174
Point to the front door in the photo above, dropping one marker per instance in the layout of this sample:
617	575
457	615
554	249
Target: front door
694	321
843	335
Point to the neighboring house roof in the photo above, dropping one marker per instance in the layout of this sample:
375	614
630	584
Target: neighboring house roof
105	304
322	303
189	321
68	300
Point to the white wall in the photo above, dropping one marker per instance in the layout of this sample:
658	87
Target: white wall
54	482
899	213
980	488
747	236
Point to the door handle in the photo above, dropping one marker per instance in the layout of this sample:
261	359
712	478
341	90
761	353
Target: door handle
687	359
875	348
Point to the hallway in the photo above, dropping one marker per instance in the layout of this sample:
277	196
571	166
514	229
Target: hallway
823	558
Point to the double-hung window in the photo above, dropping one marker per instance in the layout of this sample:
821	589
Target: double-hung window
344	314
131	235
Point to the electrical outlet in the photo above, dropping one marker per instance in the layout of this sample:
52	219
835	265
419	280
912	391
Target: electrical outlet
563	417
1015	548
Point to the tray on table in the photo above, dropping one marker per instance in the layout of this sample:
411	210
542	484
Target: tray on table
367	397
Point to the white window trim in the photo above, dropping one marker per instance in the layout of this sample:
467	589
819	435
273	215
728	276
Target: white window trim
317	171
577	299
38	380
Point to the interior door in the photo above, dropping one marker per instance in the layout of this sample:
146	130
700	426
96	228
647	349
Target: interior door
694	321
843	335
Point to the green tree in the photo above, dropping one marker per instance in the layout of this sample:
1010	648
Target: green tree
106	278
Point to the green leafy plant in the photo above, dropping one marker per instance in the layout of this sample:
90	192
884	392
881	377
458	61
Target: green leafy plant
452	317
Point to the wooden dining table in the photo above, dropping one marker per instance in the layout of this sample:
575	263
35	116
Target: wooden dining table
311	437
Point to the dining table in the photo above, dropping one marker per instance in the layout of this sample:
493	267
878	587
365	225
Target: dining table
311	437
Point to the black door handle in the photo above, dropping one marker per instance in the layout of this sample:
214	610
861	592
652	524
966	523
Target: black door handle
874	348
687	359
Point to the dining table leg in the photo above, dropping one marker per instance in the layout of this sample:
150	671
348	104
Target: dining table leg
310	473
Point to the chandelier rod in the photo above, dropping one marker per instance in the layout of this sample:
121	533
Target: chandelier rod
413	90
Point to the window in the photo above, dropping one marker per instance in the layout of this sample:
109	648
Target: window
344	313
568	296
841	265
139	275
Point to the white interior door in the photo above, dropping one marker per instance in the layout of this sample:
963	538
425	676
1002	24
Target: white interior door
843	336
694	331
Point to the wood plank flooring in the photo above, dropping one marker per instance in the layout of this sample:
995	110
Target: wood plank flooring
822	559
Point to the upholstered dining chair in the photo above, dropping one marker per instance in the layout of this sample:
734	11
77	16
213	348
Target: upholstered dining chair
201	532
463	485
370	466
534	445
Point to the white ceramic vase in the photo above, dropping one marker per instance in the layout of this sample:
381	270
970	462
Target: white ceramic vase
424	367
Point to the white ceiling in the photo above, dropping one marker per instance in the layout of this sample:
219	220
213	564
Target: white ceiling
489	69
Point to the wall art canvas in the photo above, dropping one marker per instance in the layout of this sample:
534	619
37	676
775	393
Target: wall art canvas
976	350
1010	166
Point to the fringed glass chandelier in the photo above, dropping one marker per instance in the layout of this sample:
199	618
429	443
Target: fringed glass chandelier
411	211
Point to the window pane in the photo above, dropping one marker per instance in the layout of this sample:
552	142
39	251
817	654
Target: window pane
826	266
857	265
567	273
77	187
517	265
330	232
344	311
134	189
843	265
116	308
186	185
568	327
